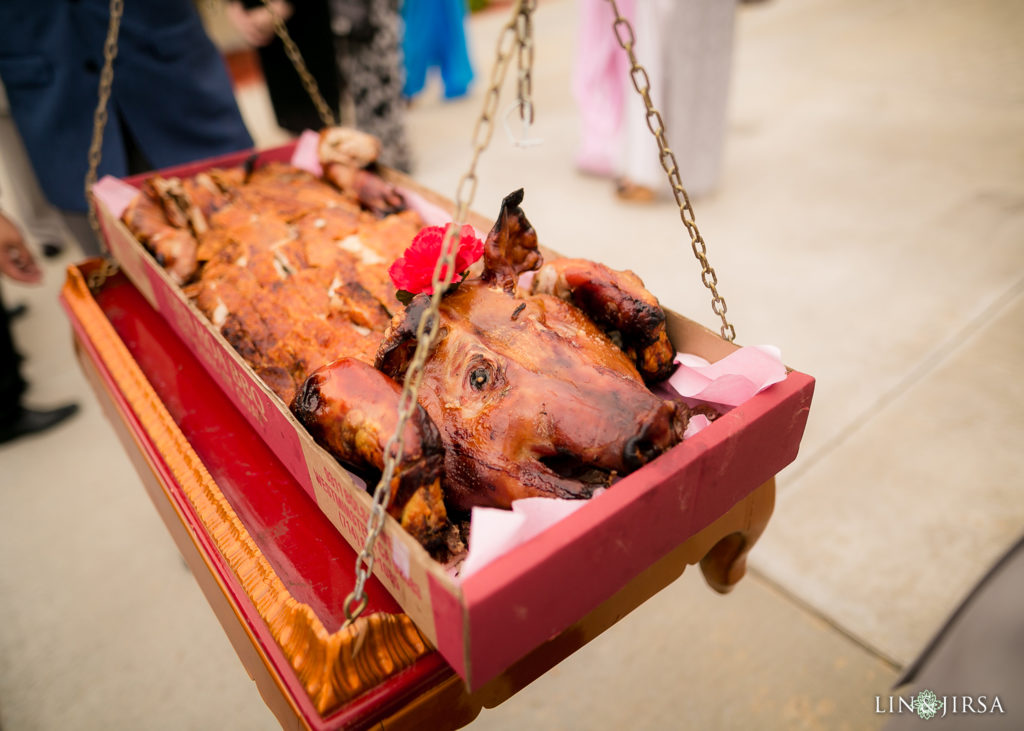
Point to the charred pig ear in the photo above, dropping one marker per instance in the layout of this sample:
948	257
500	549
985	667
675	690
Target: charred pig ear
511	246
618	303
351	409
399	343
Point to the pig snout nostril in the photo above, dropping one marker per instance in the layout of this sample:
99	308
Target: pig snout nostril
638	452
307	401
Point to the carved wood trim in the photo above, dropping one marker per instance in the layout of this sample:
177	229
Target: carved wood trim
333	668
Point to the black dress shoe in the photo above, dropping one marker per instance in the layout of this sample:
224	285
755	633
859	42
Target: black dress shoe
30	421
52	249
13	313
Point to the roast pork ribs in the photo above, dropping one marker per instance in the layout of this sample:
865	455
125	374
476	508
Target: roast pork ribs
291	270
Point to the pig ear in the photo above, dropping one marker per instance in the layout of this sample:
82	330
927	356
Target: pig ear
511	246
617	302
396	350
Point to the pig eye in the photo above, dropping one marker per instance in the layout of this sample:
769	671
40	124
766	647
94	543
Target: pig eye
479	378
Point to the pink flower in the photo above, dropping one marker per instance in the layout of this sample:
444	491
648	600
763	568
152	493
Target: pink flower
413	271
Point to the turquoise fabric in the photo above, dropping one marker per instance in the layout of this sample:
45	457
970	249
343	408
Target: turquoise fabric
435	37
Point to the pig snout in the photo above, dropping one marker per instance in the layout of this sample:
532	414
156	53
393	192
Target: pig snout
639	450
659	433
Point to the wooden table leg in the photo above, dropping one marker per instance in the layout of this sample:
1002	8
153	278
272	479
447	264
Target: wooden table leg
726	563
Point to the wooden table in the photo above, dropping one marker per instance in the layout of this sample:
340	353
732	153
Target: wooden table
273	568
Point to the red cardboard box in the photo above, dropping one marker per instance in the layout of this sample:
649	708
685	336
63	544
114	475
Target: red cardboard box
497	615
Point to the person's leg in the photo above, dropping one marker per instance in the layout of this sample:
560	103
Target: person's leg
81	231
456	68
20	191
599	78
78	223
696	102
416	33
12	386
16	420
640	175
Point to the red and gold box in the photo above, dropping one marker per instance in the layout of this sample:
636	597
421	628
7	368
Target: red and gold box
496	616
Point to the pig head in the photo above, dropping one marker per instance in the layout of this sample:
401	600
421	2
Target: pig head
526	393
530	398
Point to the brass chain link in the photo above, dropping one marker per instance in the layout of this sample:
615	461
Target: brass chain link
99	123
99	117
97	277
427	328
308	82
641	82
524	41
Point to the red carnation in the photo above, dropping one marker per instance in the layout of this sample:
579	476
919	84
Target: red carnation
414	270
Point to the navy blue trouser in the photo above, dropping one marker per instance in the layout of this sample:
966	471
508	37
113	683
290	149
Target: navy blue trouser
12	386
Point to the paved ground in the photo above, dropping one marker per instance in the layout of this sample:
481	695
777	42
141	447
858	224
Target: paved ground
870	223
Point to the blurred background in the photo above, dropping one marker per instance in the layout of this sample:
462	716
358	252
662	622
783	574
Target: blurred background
866	216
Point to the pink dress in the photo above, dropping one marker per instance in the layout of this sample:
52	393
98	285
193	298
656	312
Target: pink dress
600	78
686	48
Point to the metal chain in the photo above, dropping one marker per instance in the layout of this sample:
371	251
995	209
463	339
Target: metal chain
99	119
109	267
308	82
641	82
427	328
96	278
524	41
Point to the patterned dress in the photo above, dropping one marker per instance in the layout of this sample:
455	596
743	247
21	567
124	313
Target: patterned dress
372	76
